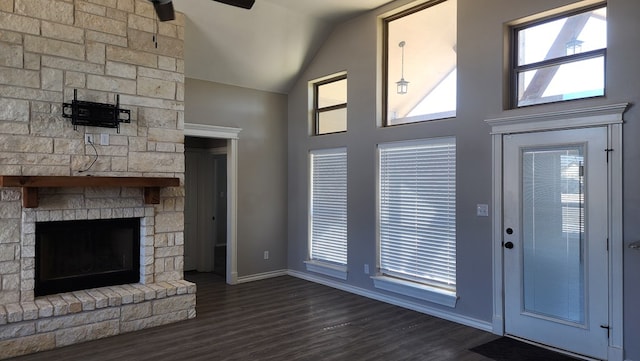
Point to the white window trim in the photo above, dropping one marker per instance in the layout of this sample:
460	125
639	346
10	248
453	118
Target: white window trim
404	287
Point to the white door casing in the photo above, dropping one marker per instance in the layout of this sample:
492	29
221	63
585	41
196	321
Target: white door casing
231	134
609	116
555	239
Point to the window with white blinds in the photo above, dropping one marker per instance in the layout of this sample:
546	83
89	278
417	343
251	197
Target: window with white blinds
328	229
417	205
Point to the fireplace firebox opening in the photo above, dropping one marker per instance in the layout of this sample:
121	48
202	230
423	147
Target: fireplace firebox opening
84	254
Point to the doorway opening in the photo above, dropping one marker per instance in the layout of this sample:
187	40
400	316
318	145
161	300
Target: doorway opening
218	146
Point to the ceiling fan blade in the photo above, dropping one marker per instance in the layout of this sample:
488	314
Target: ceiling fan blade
164	9
245	4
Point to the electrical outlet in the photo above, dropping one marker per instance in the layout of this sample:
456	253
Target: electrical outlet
482	210
366	269
104	139
89	139
266	254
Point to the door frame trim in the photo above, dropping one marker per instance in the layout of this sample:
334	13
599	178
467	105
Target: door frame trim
610	116
232	137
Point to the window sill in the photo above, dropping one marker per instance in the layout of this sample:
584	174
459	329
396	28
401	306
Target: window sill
416	290
327	269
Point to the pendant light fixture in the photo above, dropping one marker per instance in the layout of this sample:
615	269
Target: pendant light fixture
402	85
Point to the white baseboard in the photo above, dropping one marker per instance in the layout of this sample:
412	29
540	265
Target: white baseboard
262	276
464	320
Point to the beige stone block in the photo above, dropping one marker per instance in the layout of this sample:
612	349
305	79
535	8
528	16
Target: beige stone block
126	5
9	252
129	56
174	304
96	53
149	293
166	46
7	297
126	296
19	77
114	298
21	329
91	8
11	282
11	55
161	292
27	345
111	84
19	23
161	74
93	331
100	299
141	23
54	10
180	31
166	135
10	36
150	103
74	79
52	79
30	311
9	267
14	312
31	61
107	3
45	308
153	321
6	6
54	47
106	38
144	9
3	315
88	302
121	70
116	14
102	24
155	162
138	295
136	311
12	194
166	63
158	118
180	19
18	143
180	91
166	147
30	94
168	29
77	320
14	110
62	32
60	307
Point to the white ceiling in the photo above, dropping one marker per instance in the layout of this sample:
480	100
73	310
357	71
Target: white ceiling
263	48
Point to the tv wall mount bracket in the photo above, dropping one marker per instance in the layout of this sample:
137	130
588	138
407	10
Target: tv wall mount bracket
95	114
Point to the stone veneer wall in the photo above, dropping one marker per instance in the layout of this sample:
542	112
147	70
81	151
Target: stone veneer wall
48	48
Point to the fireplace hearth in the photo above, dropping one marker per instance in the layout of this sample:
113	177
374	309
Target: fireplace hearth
85	254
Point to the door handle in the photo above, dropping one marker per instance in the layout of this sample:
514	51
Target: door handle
508	245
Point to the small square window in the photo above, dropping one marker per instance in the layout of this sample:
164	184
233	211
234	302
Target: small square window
560	59
330	105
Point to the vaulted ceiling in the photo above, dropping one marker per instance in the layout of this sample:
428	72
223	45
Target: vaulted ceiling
263	48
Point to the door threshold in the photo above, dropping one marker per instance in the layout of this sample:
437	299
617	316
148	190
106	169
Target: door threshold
554	349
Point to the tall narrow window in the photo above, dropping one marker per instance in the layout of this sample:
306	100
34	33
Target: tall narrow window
330	105
420	63
328	212
559	59
417	212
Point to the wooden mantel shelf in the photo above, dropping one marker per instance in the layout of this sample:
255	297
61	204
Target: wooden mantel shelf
30	185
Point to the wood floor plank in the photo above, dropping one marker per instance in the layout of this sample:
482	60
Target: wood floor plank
285	318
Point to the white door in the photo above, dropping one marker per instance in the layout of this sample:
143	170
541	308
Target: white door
555	239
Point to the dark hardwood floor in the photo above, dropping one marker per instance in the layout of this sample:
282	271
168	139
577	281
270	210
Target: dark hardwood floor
286	318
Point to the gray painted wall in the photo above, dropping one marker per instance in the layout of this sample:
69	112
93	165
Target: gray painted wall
354	46
262	168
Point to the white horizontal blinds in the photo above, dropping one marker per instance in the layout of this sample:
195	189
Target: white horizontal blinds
418	211
329	205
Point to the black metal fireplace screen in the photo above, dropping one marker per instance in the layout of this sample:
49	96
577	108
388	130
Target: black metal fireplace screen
84	254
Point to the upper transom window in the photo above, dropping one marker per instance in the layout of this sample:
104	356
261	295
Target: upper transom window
561	58
420	63
330	105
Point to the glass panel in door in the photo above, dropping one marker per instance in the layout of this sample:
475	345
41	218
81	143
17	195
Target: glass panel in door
553	233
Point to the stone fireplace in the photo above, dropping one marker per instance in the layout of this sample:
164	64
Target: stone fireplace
102	48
